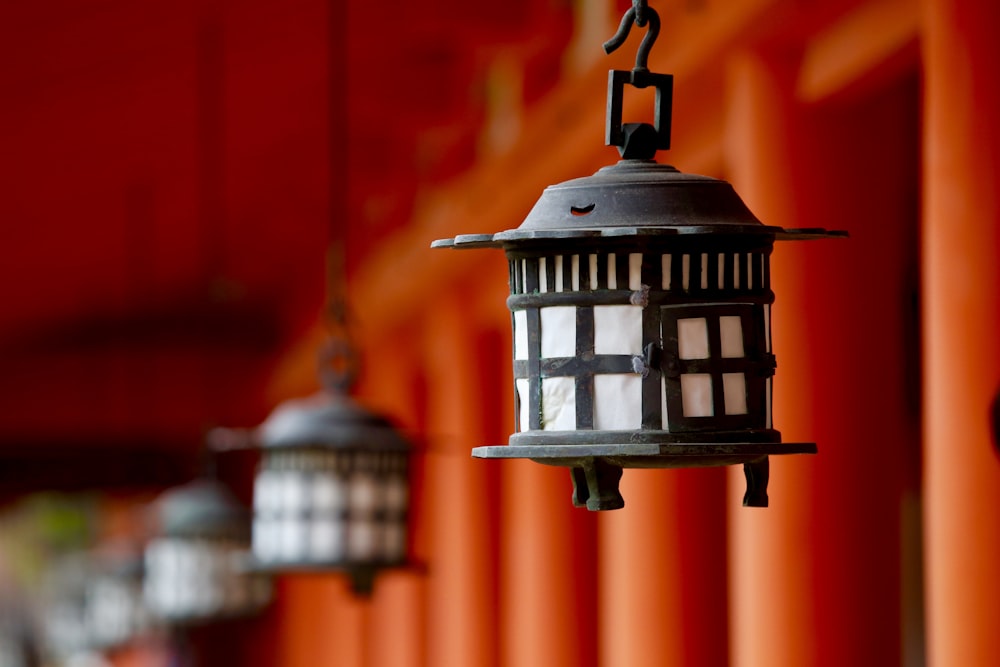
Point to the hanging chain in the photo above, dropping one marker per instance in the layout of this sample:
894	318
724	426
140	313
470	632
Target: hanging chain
338	358
640	14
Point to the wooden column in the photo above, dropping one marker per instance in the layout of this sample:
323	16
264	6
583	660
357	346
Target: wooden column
815	577
460	496
663	571
961	278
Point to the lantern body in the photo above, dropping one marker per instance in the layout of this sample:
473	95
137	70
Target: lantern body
196	567
320	506
331	491
640	301
648	341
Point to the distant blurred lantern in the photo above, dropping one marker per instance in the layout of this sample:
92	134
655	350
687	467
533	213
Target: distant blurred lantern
641	304
332	489
92	602
196	565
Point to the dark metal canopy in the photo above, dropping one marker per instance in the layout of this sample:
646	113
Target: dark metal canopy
634	198
203	508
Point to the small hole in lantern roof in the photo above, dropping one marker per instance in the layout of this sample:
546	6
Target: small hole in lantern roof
582	210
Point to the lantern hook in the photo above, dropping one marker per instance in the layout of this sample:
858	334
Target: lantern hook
640	14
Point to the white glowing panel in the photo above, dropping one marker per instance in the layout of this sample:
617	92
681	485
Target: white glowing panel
617	402
664	417
722	270
521	384
266	490
593	271
520	334
558	331
731	330
704	270
692	338
696	395
558	268
686	272
362	539
665	263
293	491
574	270
736	270
364	493
326	539
734	389
559	404
635	271
617	329
612	271
543	275
329	493
292	539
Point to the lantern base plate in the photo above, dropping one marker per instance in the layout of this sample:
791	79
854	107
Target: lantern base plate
597	469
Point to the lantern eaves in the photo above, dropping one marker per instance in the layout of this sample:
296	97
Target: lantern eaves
635	198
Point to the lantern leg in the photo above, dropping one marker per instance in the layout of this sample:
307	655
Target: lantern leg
757	473
595	485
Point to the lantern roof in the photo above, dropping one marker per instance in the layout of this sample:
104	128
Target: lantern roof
329	420
634	198
202	508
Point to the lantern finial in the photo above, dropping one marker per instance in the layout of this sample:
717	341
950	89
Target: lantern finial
640	14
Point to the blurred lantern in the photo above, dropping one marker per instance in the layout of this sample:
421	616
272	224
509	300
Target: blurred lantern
641	304
332	488
196	564
92	602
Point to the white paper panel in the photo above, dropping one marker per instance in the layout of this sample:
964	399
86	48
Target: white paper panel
559	404
665	263
362	539
617	329
265	541
696	395
524	275
521	385
686	272
736	271
731	330
664	416
329	493
558	268
543	274
396	494
294	487
734	388
292	536
574	270
722	270
692	338
326	539
363	493
593	271
520	334
267	492
704	270
617	402
635	271
558	331
612	272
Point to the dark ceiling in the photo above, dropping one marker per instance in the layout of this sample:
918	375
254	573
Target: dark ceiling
171	180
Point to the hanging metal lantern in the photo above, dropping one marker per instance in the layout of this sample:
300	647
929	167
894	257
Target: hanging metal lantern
640	299
196	566
332	487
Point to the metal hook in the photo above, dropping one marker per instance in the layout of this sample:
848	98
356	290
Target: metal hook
638	14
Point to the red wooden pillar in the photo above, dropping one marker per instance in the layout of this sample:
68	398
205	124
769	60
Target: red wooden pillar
663	571
460	502
815	577
961	277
